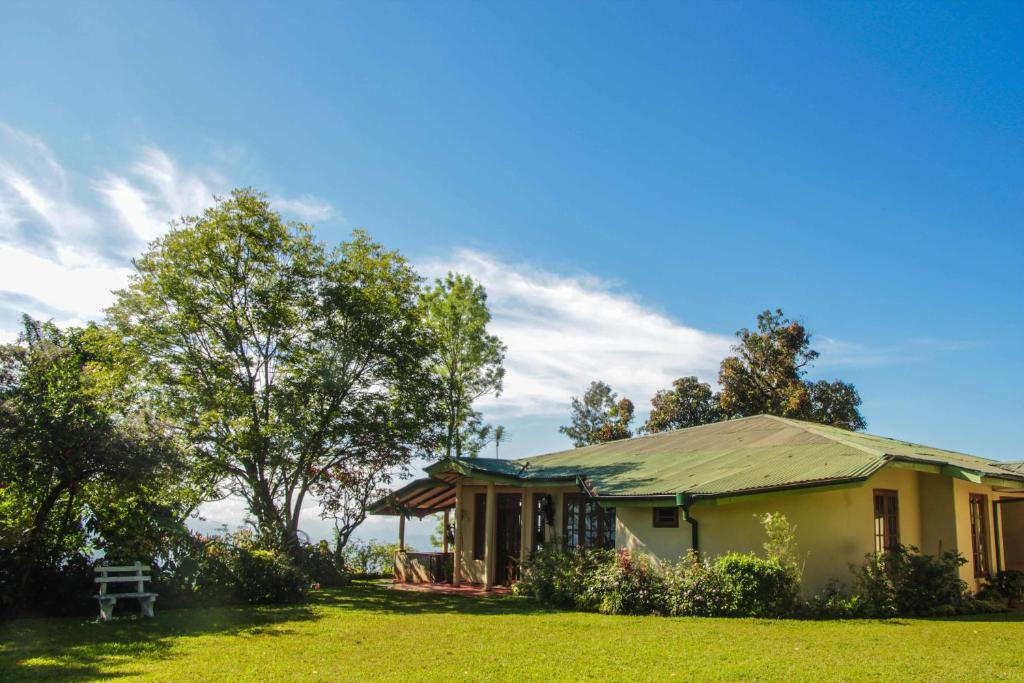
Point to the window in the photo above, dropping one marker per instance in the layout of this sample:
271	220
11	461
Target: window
587	524
479	525
979	534
887	520
539	521
665	518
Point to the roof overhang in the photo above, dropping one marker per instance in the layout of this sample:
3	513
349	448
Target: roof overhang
419	498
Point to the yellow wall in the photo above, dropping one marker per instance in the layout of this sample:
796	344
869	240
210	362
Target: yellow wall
938	513
635	531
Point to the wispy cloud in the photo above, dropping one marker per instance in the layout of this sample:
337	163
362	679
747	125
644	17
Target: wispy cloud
563	331
66	240
304	208
838	353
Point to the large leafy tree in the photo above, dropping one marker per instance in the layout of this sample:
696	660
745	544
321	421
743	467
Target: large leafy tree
766	376
599	416
467	360
78	455
291	368
688	403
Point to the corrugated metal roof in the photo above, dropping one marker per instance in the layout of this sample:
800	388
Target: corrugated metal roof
746	454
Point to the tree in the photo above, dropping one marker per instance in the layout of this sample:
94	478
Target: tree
500	437
467	360
75	452
599	417
287	366
835	403
766	376
688	403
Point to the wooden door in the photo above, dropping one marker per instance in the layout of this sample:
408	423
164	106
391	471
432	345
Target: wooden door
509	537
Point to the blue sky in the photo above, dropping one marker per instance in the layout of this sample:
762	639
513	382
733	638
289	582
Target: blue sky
632	182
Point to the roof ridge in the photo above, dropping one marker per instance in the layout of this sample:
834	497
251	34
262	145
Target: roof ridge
826	431
814	428
638	437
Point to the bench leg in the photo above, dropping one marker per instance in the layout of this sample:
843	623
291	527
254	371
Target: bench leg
107	608
147	605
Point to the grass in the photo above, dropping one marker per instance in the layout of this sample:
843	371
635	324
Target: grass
368	632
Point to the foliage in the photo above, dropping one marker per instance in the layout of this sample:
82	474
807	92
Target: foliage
697	588
904	582
834	602
599	417
834	403
466	360
290	368
560	577
268	576
83	467
766	376
626	585
323	564
437	536
758	587
780	543
1007	586
499	437
369	559
688	403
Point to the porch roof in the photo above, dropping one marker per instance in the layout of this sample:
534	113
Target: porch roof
736	457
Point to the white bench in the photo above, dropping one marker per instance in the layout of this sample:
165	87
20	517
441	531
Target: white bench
106	576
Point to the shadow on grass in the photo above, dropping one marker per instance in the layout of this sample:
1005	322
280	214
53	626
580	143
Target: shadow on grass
377	596
74	649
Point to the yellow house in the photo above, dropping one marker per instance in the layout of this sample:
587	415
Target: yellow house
702	488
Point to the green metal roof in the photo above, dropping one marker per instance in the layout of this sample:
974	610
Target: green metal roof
736	456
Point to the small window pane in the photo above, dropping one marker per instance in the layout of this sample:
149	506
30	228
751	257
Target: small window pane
887	521
666	517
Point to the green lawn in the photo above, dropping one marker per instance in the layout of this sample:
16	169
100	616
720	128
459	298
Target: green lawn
367	632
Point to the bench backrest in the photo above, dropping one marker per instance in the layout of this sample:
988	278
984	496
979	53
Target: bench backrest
136	576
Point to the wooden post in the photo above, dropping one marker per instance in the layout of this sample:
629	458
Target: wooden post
526	532
401	533
444	535
489	534
457	556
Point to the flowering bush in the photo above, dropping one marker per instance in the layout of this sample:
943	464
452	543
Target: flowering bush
626	585
559	577
696	588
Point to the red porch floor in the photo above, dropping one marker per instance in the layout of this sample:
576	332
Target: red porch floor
448	589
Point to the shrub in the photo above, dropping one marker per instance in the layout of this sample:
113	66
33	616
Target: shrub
369	559
1007	586
322	565
780	545
264	576
560	577
625	585
902	581
760	588
695	588
835	601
